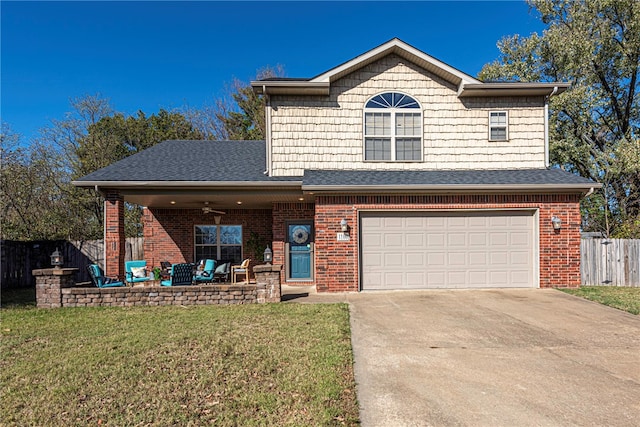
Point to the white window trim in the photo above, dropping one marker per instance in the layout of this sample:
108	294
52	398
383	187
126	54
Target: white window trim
491	126
392	136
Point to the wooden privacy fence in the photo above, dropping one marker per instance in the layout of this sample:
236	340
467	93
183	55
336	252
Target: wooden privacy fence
20	258
610	262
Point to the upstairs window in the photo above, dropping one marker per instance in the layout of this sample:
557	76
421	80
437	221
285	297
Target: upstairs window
498	126
392	128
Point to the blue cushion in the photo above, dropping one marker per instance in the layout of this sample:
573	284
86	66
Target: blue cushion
128	265
100	280
206	275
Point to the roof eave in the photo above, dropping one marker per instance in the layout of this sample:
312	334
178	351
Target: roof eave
511	89
185	184
450	188
319	85
298	87
404	50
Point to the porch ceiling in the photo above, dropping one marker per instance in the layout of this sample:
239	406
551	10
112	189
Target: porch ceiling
193	199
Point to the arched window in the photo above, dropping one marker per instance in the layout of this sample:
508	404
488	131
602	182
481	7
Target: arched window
392	128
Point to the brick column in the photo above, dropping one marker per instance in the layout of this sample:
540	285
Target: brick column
268	286
114	238
49	285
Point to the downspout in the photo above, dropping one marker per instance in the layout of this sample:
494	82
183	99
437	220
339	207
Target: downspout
104	231
546	126
267	126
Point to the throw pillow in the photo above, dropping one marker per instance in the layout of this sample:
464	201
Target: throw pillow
138	272
221	269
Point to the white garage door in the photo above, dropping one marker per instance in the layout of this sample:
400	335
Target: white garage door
484	249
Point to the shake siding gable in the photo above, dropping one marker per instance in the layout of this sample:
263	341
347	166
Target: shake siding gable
326	132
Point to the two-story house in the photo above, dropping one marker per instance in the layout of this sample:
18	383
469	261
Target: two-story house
392	170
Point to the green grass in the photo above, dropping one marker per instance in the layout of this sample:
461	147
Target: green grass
255	365
623	298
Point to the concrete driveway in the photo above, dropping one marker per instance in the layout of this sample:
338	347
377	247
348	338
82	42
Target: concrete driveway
493	358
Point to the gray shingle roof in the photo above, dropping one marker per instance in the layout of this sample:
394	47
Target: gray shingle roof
468	178
244	161
191	161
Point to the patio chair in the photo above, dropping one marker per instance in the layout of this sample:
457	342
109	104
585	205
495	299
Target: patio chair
136	271
222	271
165	270
240	269
206	274
98	278
181	275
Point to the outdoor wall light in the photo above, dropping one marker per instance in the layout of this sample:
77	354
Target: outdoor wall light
57	259
557	223
344	226
268	255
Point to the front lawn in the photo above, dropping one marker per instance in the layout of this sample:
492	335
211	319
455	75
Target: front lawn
272	364
623	298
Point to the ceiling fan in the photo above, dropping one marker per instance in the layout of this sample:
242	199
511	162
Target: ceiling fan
206	209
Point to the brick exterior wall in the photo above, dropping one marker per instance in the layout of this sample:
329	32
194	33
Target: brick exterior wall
337	262
114	237
169	233
326	132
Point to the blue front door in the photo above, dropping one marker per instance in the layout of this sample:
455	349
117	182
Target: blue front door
300	239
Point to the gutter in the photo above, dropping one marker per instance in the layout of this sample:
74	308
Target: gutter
267	137
275	87
546	126
453	187
178	184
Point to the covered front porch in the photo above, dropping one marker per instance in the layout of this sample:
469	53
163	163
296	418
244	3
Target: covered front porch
185	226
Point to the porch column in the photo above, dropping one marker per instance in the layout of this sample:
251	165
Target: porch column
114	238
268	287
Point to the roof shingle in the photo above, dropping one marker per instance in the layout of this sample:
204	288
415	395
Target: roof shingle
190	161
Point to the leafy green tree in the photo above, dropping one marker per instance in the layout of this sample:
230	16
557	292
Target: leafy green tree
238	115
35	198
594	45
38	199
115	137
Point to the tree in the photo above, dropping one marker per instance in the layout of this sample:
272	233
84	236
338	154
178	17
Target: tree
238	115
37	194
33	197
594	45
115	137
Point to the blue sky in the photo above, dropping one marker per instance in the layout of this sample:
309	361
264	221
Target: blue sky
150	55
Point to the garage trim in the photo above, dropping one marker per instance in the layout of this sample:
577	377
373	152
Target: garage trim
535	236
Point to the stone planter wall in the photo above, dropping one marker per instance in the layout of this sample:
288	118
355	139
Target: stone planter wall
157	295
56	288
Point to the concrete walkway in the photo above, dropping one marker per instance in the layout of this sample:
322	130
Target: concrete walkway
491	358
